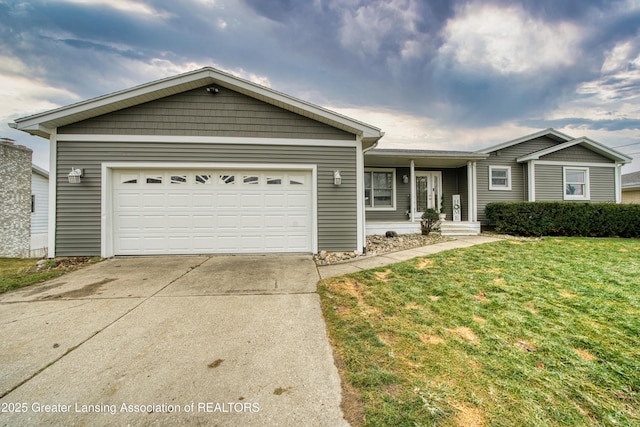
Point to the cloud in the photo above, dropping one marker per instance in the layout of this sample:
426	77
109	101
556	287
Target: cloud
126	6
507	40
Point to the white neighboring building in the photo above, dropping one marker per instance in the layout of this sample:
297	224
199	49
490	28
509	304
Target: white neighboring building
39	211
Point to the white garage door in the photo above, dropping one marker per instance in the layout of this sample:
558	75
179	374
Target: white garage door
211	211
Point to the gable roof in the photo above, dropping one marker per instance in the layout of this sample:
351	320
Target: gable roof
38	170
564	141
631	180
586	142
42	124
550	133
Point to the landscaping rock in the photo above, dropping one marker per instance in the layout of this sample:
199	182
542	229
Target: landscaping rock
379	244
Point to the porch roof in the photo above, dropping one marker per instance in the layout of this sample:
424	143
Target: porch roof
421	158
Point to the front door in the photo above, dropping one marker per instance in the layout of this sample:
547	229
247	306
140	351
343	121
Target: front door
428	191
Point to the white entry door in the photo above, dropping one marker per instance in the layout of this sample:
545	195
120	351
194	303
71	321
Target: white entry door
428	191
172	211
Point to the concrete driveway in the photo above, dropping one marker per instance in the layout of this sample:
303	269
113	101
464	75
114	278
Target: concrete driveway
198	340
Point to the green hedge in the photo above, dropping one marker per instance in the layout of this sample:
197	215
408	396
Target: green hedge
565	219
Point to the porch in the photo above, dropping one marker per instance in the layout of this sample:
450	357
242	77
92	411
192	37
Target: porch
447	228
400	185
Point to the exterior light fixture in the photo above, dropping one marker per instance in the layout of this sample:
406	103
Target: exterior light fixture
337	178
405	179
75	175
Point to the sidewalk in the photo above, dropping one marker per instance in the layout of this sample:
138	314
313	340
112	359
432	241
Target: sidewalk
394	257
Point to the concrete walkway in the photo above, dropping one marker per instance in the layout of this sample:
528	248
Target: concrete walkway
365	263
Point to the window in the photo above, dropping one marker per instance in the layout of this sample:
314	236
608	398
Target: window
226	179
576	183
178	179
156	179
129	179
500	178
203	179
251	179
275	180
33	203
379	188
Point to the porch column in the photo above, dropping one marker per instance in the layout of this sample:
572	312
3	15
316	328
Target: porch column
412	194
469	192
472	192
618	182
531	177
474	165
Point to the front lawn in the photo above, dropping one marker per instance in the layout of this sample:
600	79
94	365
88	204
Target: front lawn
18	272
527	333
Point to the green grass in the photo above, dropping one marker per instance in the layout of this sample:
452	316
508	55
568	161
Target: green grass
19	272
527	333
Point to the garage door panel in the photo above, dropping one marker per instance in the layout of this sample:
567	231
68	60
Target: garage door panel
203	222
183	212
128	201
179	223
201	201
227	222
298	222
178	200
299	201
226	201
251	201
154	222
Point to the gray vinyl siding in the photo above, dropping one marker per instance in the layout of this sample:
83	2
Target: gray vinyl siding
549	183
577	153
198	113
78	205
450	186
507	157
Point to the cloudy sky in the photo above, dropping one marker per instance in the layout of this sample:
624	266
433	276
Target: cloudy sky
433	74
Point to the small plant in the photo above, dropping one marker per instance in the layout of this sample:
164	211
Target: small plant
441	204
429	221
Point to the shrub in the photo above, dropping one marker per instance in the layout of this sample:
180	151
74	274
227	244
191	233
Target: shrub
429	221
565	219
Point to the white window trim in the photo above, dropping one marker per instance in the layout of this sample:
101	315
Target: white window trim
497	187
393	191
587	186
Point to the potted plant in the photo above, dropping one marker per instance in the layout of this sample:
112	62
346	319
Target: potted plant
429	221
442	215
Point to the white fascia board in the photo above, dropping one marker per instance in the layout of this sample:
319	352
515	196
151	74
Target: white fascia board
207	140
526	138
117	100
39	171
595	146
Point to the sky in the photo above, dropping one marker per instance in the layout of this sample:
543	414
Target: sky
432	74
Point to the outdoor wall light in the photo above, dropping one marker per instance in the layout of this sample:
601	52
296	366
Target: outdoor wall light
75	175
405	179
212	90
337	178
